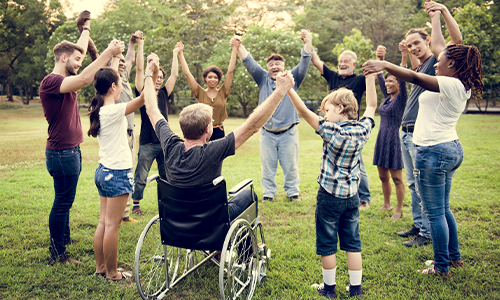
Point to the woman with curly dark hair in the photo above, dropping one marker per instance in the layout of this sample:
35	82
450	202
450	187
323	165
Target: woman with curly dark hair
439	151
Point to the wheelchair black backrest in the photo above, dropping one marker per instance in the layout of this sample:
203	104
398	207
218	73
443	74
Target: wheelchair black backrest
193	218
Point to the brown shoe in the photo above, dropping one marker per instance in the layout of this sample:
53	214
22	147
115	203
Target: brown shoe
137	211
64	259
364	205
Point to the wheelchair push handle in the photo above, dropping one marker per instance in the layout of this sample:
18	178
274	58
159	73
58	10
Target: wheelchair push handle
152	177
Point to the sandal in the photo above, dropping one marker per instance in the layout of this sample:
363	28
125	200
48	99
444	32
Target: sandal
125	276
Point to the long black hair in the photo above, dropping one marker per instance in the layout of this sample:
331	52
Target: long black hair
469	67
103	79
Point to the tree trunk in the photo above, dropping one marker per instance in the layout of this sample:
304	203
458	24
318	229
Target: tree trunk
20	88
9	90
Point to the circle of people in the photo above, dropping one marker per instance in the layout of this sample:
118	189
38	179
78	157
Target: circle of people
444	77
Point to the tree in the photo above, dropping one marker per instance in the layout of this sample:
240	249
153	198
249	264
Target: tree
25	26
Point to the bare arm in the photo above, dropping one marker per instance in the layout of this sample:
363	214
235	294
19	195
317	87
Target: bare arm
433	9
190	78
73	83
306	37
371	96
303	111
317	62
174	72
425	81
230	69
115	61
130	57
264	111
139	66
83	41
135	104
242	51
149	92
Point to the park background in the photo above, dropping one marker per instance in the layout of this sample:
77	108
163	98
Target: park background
29	30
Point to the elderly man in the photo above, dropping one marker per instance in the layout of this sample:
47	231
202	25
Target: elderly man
194	161
279	138
356	83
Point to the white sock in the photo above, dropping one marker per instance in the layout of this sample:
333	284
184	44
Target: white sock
355	277
329	276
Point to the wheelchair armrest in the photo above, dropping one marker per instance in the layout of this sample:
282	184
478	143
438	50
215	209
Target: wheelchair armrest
237	188
152	177
218	180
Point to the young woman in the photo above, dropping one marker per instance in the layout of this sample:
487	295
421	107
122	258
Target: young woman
387	156
213	96
113	177
439	152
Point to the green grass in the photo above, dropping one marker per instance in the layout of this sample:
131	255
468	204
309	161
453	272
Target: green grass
389	268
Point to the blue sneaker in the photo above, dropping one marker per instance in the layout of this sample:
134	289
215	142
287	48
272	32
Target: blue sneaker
355	291
322	291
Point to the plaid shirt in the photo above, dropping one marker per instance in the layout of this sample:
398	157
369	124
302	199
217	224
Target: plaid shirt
342	145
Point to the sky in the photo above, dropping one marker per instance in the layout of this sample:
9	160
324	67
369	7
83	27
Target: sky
96	7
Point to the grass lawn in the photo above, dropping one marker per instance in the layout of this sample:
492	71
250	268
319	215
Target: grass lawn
389	268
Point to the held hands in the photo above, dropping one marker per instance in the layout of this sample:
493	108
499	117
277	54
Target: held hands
235	42
284	80
83	20
178	48
373	66
153	65
380	54
434	8
136	37
116	47
306	36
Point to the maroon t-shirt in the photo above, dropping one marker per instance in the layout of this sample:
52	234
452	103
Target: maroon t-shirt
62	114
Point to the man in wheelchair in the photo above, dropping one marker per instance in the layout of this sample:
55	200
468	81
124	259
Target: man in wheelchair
195	161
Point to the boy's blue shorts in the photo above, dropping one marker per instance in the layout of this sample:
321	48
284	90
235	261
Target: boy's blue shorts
112	183
336	216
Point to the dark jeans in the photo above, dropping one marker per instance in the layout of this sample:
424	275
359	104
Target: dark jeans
147	154
239	203
217	134
64	166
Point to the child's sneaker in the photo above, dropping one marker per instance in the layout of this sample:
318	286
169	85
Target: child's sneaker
322	291
452	263
434	271
355	291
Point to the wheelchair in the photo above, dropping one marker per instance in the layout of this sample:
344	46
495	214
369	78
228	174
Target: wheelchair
192	228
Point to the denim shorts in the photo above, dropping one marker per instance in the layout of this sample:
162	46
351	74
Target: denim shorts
112	183
336	216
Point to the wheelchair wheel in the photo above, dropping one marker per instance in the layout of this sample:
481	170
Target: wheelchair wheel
152	260
238	273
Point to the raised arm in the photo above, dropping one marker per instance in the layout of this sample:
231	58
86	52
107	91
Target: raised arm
73	83
264	111
310	117
149	92
438	42
242	51
83	24
371	96
380	54
306	37
115	62
174	72
139	65
232	64
425	81
317	62
130	57
190	78
300	71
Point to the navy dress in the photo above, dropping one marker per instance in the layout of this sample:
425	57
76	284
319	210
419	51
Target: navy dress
388	147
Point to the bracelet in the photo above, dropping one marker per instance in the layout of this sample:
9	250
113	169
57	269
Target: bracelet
404	66
148	75
85	28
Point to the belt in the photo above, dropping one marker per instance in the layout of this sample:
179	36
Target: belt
220	126
130	131
279	132
408	127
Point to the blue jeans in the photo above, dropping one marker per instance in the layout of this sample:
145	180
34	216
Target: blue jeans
434	169
364	185
409	153
336	216
282	148
64	166
111	183
239	203
147	154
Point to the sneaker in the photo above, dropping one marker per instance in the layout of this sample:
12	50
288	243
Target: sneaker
128	220
267	199
410	232
355	291
451	263
364	205
417	241
434	271
295	198
321	290
64	259
137	211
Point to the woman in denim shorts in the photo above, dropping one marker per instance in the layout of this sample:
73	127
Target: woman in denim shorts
114	178
439	152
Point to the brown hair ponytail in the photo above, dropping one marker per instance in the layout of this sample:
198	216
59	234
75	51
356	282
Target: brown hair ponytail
103	79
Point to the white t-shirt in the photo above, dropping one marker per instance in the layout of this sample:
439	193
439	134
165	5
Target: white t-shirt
438	113
114	152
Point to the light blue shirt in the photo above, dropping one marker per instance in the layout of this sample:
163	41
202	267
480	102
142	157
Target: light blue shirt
285	113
